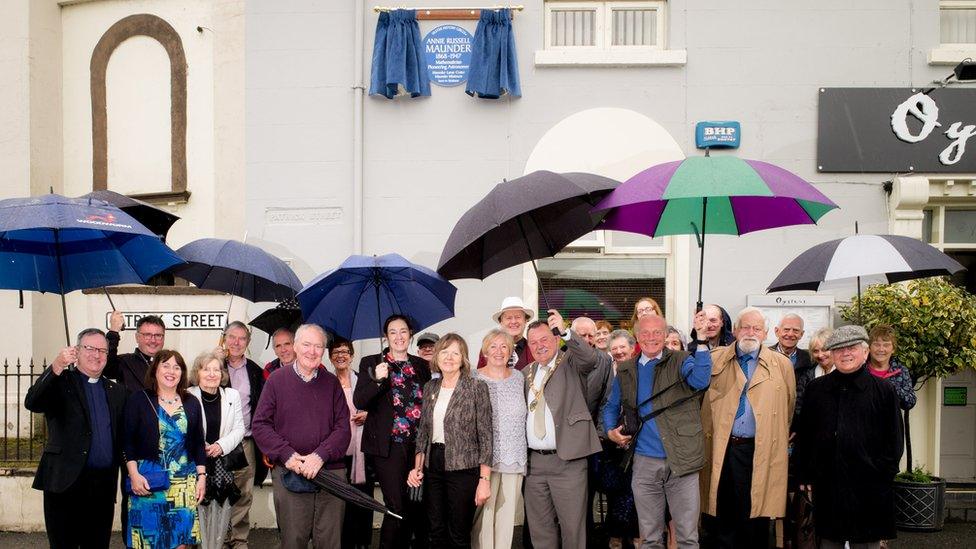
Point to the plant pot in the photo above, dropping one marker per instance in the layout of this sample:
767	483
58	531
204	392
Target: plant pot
920	506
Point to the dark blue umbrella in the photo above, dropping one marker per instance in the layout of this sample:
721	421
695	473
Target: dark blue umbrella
354	299
57	244
238	269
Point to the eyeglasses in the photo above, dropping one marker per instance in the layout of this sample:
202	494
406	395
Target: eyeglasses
340	352
151	336
97	350
643	310
655	333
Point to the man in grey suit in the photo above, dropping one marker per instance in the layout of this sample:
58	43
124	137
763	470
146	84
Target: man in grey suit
560	434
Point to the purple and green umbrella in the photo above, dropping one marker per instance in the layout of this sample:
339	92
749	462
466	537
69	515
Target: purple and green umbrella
712	195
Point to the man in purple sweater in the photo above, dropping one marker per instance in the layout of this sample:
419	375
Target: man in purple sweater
302	425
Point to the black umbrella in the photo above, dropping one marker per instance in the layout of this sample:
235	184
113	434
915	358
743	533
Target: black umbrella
528	218
155	219
286	314
341	489
887	258
238	269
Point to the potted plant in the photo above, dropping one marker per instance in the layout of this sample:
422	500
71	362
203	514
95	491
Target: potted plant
936	324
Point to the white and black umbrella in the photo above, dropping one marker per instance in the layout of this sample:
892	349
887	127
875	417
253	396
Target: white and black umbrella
889	258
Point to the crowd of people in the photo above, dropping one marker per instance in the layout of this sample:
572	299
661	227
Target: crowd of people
698	440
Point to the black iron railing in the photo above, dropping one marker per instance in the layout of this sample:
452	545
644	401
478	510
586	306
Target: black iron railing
23	431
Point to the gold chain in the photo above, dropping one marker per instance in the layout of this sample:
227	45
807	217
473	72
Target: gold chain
537	394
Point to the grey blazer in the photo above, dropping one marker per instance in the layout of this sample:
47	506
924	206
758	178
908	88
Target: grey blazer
468	431
566	396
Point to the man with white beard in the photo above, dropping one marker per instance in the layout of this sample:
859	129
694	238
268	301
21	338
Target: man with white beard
746	421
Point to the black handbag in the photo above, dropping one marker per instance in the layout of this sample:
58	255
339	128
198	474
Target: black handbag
235	460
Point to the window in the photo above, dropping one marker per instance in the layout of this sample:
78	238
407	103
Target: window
957	31
624	32
957	21
953	230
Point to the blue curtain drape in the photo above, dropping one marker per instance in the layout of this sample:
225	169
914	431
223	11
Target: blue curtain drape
494	67
398	57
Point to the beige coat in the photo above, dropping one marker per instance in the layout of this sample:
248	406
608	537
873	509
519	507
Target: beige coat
772	395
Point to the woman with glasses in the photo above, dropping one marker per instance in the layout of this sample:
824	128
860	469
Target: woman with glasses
166	459
390	389
357	526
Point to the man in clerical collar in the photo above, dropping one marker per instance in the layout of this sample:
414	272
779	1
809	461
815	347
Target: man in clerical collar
83	412
130	369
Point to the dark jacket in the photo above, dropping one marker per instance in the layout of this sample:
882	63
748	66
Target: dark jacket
848	446
141	434
902	382
725	336
128	369
255	375
803	370
64	404
468	431
680	425
374	397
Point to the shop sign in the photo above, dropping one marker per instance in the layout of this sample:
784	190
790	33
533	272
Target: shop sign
447	50
954	396
190	320
896	130
710	135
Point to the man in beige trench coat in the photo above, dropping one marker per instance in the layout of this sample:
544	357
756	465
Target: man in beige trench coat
746	437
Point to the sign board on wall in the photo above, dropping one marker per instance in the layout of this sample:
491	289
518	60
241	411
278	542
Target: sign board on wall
183	320
815	310
954	396
896	130
447	52
714	135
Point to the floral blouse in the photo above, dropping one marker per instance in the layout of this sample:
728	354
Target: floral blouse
408	396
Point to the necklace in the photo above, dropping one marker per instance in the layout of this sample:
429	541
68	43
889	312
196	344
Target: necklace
539	394
203	394
172	402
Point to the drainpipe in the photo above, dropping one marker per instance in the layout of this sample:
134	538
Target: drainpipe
358	99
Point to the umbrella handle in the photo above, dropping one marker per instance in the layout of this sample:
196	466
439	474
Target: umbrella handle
104	289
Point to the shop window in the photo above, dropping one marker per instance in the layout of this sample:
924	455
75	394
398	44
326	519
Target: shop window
624	32
960	227
957	21
602	288
953	230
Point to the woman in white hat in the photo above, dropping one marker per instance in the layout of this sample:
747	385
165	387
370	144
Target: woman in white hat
512	317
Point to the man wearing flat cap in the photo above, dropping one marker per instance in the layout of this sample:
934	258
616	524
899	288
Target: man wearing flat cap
425	345
512	317
848	446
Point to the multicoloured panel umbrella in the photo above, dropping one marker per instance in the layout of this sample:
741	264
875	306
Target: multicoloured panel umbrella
717	195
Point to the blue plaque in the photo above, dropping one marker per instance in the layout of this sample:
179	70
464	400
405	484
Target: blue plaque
725	134
447	51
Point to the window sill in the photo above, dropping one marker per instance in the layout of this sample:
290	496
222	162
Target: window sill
610	58
951	55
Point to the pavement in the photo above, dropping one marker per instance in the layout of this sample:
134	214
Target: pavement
955	535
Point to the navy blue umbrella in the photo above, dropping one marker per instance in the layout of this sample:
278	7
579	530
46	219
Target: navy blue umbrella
56	244
238	269
354	299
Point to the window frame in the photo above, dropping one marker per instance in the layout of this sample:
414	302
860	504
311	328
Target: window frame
659	6
603	23
951	5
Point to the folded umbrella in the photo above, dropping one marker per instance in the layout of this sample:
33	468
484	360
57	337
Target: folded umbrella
354	299
341	489
238	269
56	244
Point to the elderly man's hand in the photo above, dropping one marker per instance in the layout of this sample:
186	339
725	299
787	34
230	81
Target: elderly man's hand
116	322
310	465
294	463
65	358
700	323
619	439
556	321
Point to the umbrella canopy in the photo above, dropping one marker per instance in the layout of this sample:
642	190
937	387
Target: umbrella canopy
530	217
155	219
341	489
895	258
354	299
56	244
712	195
238	269
286	314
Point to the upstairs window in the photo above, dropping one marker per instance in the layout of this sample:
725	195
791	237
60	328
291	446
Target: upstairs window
605	25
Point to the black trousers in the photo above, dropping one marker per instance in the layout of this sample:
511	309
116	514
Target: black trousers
449	496
81	516
391	473
733	529
357	525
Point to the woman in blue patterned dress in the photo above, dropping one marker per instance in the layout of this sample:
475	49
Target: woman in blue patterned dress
164	447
